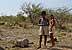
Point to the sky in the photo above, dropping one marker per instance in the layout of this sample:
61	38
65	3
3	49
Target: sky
11	7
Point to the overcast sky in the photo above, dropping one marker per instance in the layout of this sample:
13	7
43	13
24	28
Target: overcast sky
11	7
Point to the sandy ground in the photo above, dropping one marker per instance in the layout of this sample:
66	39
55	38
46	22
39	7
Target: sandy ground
8	36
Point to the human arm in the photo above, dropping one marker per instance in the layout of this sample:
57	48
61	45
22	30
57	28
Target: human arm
44	22
52	24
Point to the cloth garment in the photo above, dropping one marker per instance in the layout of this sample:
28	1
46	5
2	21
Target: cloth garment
44	30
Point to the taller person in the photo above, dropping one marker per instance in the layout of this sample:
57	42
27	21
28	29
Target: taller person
44	28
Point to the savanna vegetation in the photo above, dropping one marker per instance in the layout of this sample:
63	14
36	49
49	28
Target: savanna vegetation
62	15
17	26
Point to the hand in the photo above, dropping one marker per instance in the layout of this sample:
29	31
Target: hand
50	29
42	25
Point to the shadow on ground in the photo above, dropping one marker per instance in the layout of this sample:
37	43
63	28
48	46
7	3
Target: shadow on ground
69	47
54	49
21	47
50	49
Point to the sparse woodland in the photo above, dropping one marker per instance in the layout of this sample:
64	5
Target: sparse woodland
20	27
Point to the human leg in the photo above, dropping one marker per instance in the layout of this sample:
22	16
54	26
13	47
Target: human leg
52	39
45	39
40	41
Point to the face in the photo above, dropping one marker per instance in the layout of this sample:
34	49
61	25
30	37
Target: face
52	17
43	15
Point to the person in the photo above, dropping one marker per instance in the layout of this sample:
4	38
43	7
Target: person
44	28
51	31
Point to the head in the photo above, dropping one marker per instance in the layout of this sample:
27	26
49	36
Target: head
51	17
43	14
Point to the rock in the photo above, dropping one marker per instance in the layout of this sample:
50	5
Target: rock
0	39
26	42
2	48
6	47
2	23
55	39
22	43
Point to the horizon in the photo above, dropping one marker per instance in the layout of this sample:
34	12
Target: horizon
12	7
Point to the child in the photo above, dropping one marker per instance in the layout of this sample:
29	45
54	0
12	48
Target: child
52	24
44	28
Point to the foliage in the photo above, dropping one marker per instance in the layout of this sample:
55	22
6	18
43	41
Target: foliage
12	19
20	17
32	10
62	15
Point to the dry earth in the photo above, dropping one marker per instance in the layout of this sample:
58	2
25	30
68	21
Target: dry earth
8	37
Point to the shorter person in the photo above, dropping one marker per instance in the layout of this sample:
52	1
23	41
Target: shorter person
51	32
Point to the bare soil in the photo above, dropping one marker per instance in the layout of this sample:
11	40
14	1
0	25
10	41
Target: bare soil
9	35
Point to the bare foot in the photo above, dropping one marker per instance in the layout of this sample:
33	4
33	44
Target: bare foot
52	45
39	47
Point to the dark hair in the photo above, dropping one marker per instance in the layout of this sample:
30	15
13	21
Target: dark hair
43	13
51	16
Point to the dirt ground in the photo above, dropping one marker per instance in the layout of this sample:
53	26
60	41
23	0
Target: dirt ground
8	37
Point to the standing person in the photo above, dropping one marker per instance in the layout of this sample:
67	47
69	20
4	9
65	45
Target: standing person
44	28
52	24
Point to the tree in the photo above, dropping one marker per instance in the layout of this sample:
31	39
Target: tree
32	10
62	16
20	17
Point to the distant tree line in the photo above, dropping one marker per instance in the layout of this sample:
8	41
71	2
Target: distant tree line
62	15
